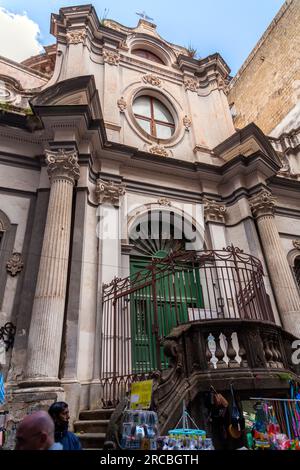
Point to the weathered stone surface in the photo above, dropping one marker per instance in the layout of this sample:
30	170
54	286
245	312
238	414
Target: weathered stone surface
267	86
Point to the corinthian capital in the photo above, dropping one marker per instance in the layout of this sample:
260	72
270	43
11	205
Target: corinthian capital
62	164
262	204
214	211
109	192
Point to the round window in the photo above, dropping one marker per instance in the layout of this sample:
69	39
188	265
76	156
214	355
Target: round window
153	117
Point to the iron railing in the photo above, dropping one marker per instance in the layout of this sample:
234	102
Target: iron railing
141	310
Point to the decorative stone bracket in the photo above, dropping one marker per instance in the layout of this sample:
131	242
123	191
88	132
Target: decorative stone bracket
187	122
15	264
152	79
109	192
62	164
158	150
111	57
122	105
296	244
214	211
164	201
191	84
76	36
262	204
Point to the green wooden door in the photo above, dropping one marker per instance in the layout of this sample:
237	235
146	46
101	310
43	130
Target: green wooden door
175	292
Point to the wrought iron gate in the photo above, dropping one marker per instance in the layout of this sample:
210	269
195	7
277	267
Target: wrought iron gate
141	310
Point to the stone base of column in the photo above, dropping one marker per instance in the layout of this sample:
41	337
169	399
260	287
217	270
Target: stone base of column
291	322
39	382
20	402
96	393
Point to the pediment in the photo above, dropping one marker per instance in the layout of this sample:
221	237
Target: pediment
74	91
246	142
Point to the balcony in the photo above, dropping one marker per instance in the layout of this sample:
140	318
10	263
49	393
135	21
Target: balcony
193	314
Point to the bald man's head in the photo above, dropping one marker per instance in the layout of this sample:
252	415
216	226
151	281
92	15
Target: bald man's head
35	432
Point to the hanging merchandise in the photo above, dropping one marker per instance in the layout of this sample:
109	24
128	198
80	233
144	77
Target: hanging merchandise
277	424
3	419
237	422
186	435
2	390
139	430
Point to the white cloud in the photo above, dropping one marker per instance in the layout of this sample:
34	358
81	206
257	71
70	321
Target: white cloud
18	36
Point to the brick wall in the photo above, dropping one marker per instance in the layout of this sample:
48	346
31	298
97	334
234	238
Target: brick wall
267	86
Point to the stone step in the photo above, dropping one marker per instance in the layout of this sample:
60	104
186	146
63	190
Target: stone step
91	425
93	440
93	415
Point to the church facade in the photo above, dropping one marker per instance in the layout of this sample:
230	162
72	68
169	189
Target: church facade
143	234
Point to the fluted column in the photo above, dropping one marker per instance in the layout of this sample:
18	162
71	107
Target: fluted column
285	290
46	326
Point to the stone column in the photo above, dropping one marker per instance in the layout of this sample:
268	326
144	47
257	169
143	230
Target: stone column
44	343
214	216
108	194
285	290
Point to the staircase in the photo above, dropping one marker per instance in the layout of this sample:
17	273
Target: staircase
91	428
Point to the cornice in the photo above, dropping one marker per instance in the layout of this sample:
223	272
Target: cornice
284	183
26	69
20	161
240	136
29	123
83	18
139	66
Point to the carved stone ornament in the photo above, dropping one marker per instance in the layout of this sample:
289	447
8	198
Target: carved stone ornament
124	46
296	244
191	84
122	105
111	57
187	122
109	192
151	79
112	25
212	347
6	95
62	164
76	36
262	204
222	84
158	150
164	201
214	211
15	264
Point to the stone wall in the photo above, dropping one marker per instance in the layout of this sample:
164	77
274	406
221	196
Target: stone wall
27	78
267	86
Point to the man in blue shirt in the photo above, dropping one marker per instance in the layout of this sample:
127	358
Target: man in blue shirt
59	412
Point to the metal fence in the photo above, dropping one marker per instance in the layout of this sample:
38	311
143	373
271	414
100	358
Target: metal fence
141	310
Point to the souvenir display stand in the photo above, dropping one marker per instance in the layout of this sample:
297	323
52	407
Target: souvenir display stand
277	424
186	437
139	430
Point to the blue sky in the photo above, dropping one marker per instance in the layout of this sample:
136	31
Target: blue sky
230	27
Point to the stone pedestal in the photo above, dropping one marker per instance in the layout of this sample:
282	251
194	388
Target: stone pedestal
44	343
285	290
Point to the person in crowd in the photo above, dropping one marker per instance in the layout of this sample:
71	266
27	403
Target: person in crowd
59	412
36	432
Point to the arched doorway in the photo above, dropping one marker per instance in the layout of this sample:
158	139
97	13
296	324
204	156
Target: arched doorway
155	236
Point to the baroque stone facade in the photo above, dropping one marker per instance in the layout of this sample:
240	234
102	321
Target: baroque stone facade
83	175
